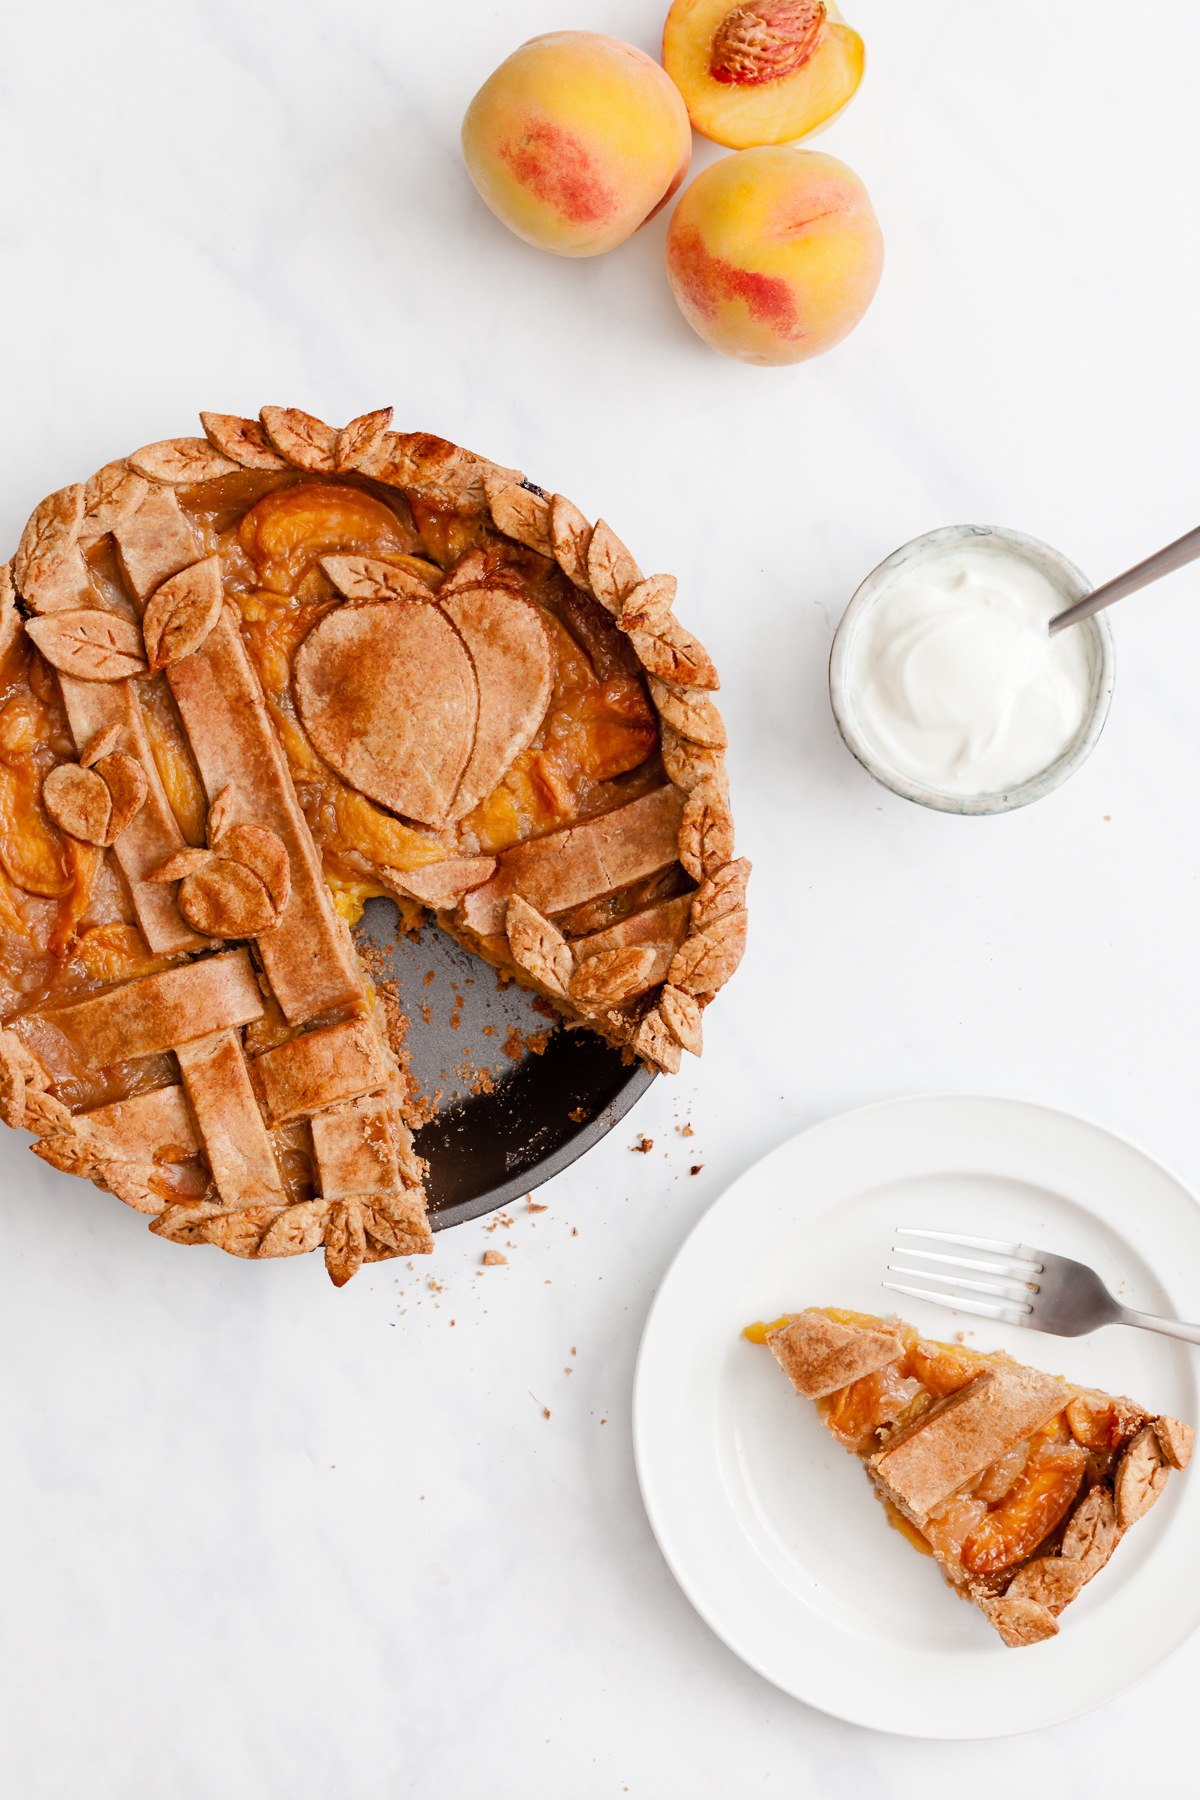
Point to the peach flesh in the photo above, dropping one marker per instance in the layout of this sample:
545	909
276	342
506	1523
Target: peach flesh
774	254
576	141
804	99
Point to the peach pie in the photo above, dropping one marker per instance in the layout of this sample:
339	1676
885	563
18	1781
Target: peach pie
1019	1484
251	680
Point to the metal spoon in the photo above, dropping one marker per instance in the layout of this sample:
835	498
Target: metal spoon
1183	550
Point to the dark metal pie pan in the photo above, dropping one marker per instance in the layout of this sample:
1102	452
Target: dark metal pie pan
519	1097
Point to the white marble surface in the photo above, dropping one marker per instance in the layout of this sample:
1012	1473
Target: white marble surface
262	1538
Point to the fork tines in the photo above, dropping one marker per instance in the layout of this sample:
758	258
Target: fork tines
1012	1269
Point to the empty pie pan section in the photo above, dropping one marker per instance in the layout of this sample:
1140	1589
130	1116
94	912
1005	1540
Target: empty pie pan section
521	1098
774	1531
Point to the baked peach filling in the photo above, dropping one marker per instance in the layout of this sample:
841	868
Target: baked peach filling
47	877
599	725
289	531
65	918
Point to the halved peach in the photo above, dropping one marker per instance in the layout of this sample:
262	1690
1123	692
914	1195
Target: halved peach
763	71
576	141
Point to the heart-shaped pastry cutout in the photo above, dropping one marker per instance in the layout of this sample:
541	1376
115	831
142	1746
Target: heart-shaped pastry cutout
388	695
514	665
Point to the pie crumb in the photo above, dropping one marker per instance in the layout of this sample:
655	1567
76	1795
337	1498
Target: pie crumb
645	1145
493	1257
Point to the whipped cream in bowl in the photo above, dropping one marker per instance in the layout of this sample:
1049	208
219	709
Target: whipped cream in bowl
946	684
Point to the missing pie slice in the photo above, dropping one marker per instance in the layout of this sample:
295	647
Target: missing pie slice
251	679
1018	1483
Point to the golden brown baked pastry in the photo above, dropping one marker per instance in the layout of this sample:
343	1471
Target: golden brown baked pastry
254	678
1017	1482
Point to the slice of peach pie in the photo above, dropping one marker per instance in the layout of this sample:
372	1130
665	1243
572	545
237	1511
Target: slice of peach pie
248	681
1019	1484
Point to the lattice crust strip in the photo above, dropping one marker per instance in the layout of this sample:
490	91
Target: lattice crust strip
643	983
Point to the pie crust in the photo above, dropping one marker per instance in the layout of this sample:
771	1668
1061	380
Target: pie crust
1018	1483
252	678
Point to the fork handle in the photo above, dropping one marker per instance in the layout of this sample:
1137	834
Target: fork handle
1175	1328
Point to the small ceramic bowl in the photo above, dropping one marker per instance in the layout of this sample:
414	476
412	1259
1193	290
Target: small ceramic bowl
1101	659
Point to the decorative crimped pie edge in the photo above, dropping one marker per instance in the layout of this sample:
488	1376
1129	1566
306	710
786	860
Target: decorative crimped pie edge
680	678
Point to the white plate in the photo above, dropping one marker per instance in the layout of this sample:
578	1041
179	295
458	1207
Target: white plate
774	1533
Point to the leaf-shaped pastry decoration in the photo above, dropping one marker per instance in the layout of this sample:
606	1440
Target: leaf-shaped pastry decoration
570	535
360	438
399	1222
708	958
89	644
140	1185
388	695
238	887
44	1113
656	1044
296	1231
367	578
305	442
647	606
221	813
471	570
95	804
539	947
612	976
243	441
180	614
52	531
265	855
21	1074
78	801
691	712
673	654
705	831
240	1232
126	782
182	864
184	1223
110	500
724	892
514	665
226	900
70	1153
345	1242
521	514
100	746
688	764
1140	1478
436	471
681	1015
10	619
182	461
611	570
48	569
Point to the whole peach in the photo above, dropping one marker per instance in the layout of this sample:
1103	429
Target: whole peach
774	254
576	141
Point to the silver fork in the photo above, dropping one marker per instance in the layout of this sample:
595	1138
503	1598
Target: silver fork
1030	1287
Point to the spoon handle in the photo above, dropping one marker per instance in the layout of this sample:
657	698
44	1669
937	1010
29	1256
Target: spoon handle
1183	550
